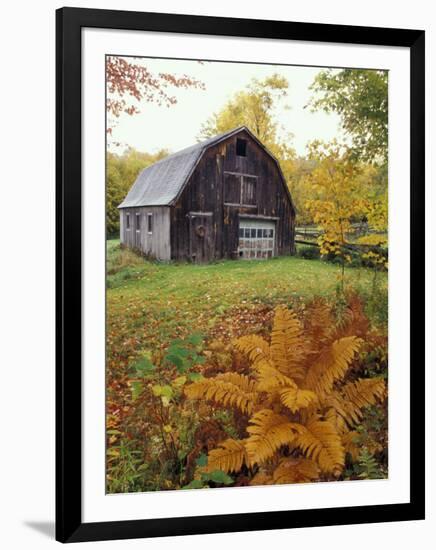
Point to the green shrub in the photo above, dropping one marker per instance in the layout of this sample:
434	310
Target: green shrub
308	252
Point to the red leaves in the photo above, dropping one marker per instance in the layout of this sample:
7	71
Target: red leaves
126	78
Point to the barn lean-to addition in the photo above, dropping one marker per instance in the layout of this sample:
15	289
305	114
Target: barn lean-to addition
225	197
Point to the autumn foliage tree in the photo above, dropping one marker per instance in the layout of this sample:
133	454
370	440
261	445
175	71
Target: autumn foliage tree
255	107
336	188
130	83
343	192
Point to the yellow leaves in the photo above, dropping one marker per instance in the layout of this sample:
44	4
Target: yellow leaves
336	188
295	470
375	258
228	457
296	399
320	441
331	365
343	191
228	389
179	381
377	212
328	246
268	432
373	239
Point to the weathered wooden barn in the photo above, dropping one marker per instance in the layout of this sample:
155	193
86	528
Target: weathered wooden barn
225	197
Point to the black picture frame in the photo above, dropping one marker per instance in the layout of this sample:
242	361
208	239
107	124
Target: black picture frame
69	525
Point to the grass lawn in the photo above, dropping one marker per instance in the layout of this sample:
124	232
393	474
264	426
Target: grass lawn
151	303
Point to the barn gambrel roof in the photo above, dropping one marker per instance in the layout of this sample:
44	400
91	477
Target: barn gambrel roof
161	183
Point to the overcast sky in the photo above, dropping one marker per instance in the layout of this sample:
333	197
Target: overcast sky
178	126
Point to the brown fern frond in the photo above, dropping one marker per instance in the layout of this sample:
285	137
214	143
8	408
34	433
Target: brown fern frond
261	478
320	441
288	345
355	321
296	470
278	338
355	396
269	378
228	457
268	432
331	365
244	382
351	445
334	413
364	392
296	399
254	347
320	323
227	389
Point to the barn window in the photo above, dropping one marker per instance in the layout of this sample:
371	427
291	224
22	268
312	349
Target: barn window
241	147
138	222
150	223
248	190
127	221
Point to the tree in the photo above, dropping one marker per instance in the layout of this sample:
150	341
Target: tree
360	97
129	82
254	108
299	188
341	189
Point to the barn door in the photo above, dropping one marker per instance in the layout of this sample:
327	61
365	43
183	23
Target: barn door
201	237
256	239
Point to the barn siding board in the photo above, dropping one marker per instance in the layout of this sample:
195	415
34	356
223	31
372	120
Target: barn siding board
158	243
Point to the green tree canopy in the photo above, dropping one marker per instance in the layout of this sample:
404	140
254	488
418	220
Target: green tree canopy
360	97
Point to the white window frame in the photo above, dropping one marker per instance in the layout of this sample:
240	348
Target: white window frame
251	244
149	217
128	226
137	216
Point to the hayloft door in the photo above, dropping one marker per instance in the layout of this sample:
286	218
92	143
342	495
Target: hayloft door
201	237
